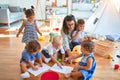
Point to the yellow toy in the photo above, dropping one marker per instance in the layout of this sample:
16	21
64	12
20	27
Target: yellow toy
76	51
110	56
41	38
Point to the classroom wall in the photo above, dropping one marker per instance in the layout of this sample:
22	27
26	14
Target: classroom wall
40	9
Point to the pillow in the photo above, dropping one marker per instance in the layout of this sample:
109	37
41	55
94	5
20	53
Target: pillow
4	6
14	9
114	37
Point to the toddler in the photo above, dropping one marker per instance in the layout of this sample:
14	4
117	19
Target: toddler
86	67
49	51
29	26
78	34
29	54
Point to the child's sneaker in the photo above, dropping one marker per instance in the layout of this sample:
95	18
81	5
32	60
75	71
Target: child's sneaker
25	75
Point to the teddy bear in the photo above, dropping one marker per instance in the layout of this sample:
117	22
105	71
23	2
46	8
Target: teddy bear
76	51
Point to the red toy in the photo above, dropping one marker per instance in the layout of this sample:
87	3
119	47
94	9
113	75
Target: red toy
50	75
56	29
116	66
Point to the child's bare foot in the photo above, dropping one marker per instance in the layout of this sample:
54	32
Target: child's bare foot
67	75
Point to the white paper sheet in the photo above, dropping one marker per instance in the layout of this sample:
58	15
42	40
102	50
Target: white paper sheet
40	69
64	69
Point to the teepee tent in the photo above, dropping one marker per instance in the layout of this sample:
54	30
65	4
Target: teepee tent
109	23
107	19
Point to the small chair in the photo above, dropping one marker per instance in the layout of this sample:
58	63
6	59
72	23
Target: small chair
50	75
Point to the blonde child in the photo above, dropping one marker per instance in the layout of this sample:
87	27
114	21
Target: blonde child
29	26
29	54
86	67
79	34
49	51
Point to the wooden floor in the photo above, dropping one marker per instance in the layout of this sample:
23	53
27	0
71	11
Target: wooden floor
10	52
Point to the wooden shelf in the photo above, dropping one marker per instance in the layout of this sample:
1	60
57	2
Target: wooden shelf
59	7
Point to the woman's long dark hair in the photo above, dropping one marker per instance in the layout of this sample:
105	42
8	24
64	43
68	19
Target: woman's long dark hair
64	26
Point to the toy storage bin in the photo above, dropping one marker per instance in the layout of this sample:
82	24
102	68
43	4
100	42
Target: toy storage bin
104	47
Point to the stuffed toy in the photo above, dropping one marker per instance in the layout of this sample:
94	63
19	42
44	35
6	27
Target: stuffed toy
76	51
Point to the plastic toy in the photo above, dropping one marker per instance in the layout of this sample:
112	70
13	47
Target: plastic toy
50	75
59	59
41	38
56	29
116	66
76	50
110	56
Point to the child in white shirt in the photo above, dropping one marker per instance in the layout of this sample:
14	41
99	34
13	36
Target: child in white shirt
49	51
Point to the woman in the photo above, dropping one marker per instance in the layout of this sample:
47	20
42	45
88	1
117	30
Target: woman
68	27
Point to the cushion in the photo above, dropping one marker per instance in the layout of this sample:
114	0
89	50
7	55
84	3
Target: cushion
14	9
114	37
4	6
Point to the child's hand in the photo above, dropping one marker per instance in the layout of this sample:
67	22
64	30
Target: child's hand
80	40
41	65
59	64
40	34
34	68
63	63
68	60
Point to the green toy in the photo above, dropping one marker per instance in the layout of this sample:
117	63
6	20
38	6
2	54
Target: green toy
59	59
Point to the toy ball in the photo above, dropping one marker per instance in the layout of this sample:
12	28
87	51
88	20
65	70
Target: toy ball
50	75
110	56
41	38
116	66
60	60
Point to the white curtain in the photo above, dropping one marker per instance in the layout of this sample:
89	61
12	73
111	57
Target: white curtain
40	9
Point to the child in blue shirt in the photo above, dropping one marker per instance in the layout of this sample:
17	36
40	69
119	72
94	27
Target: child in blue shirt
86	67
78	34
29	54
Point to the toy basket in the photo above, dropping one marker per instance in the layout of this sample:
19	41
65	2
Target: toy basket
103	48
